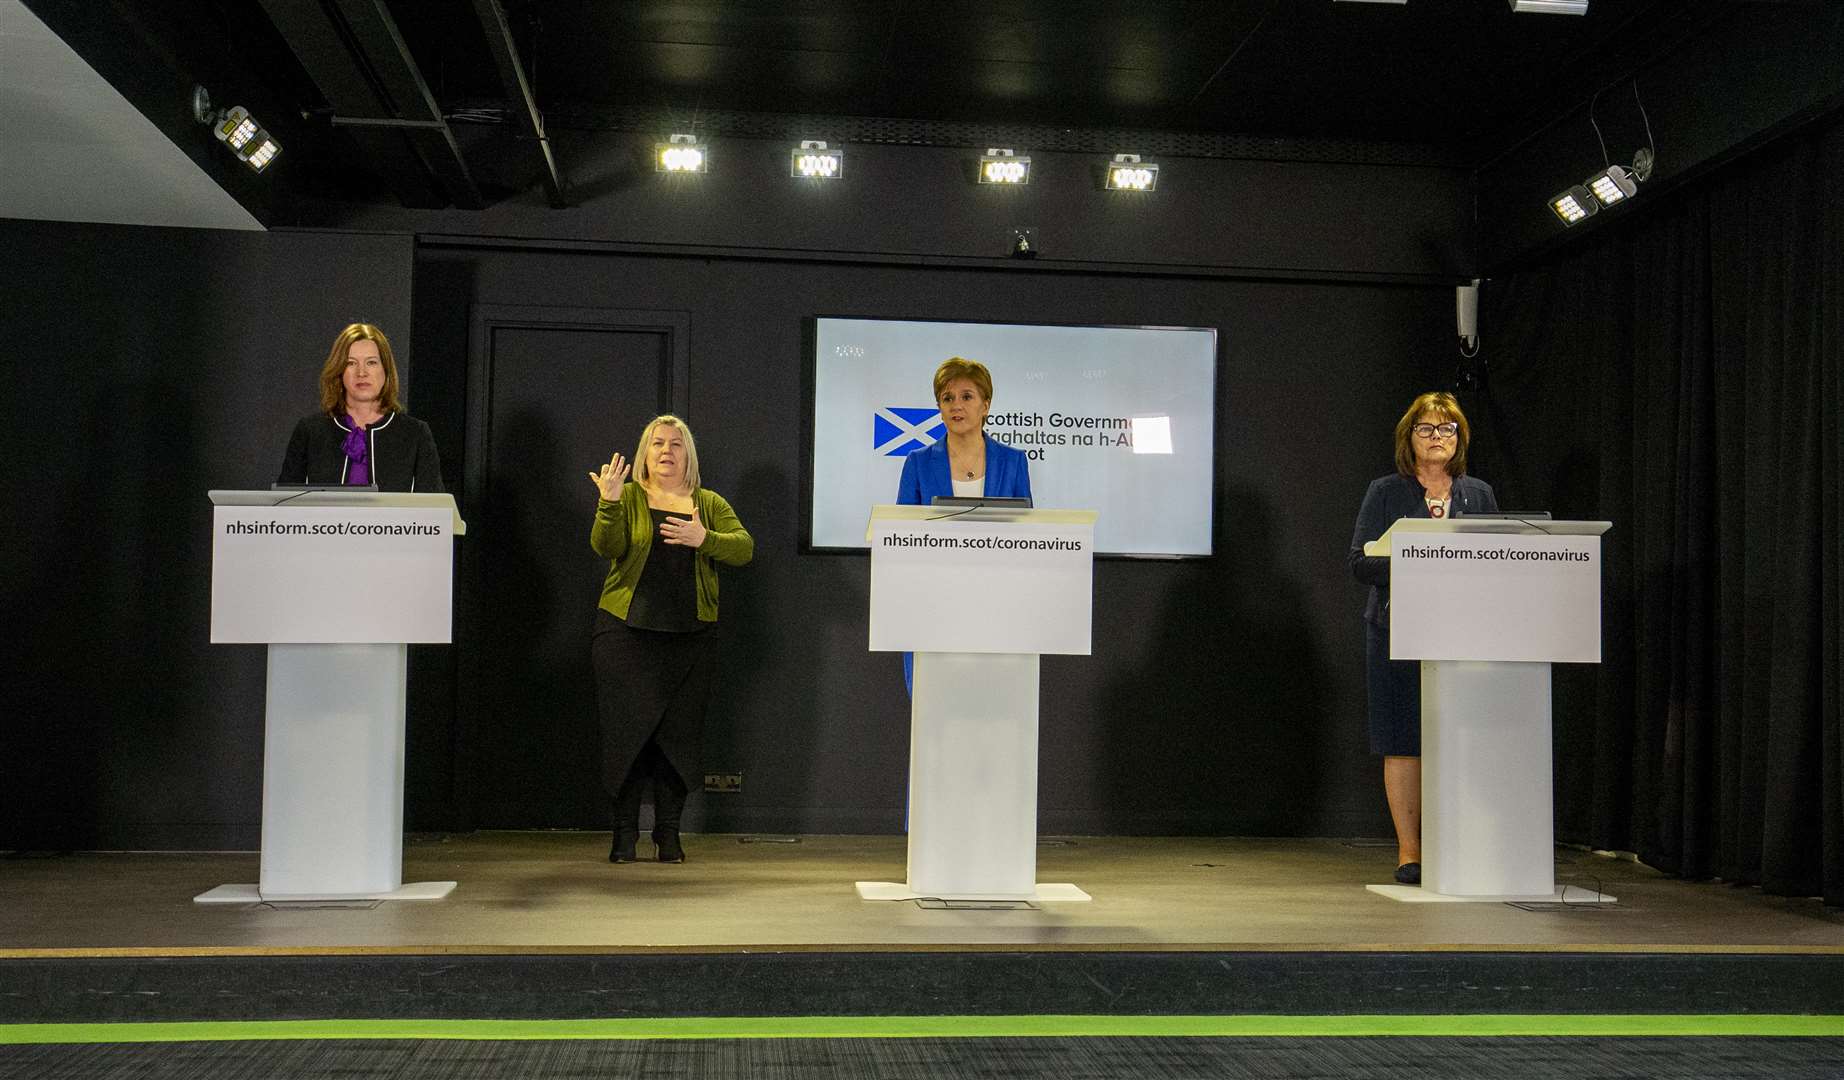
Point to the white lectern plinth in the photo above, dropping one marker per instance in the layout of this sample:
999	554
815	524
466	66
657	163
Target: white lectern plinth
287	568
977	596
1487	604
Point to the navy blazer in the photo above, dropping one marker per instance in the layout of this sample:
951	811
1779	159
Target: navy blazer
925	473
1390	499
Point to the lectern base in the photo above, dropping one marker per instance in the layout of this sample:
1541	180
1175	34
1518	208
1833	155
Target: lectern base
898	890
1564	894
251	894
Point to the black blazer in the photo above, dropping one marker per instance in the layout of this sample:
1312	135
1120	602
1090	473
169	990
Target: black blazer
402	453
1390	499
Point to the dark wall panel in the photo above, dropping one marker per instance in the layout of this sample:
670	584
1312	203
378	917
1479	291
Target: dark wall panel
1225	695
148	366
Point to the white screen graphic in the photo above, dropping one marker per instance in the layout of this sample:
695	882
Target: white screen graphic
1119	420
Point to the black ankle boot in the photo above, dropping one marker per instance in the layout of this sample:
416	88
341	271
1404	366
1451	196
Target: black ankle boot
668	810
627	824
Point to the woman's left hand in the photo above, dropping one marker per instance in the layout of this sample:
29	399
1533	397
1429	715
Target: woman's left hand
683	532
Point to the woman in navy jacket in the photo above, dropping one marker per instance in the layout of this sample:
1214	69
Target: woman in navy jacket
968	463
1430	481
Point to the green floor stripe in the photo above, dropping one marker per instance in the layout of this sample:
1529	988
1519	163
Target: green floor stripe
913	1027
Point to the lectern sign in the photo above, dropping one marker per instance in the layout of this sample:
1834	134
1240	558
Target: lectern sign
1453	595
954	584
325	574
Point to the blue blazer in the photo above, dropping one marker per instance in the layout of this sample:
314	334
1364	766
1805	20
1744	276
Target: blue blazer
925	473
1390	499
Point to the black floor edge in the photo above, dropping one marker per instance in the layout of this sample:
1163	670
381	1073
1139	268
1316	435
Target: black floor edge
93	990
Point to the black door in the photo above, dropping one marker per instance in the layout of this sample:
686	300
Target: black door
550	401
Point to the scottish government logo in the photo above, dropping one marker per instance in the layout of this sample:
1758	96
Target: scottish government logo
895	432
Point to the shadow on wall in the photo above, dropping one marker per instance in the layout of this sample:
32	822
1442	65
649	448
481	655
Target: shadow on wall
1231	677
753	727
537	746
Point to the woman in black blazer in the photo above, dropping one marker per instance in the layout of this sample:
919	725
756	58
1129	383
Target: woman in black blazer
1430	481
361	435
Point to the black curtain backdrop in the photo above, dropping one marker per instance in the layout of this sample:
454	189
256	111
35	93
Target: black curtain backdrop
1678	373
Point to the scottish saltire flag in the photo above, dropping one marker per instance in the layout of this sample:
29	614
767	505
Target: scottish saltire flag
895	432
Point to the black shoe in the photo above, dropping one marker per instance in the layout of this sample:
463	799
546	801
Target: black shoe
1409	873
623	849
670	850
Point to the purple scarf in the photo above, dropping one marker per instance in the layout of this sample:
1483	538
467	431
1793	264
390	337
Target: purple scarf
357	449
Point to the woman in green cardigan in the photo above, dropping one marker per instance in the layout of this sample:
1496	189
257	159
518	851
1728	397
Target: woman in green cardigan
663	535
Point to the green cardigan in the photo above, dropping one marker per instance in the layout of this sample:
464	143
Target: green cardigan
623	533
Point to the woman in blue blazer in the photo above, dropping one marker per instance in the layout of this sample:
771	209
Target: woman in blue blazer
967	462
1430	481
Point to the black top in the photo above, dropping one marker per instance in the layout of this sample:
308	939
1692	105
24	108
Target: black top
402	453
1390	499
666	596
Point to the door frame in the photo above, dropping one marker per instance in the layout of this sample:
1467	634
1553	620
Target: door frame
484	319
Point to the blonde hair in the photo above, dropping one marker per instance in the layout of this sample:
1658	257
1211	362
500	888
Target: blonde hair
1441	404
644	476
333	372
956	367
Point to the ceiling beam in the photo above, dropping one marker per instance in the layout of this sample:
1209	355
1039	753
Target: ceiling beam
518	91
343	82
408	94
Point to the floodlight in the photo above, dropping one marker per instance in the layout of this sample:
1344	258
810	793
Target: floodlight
236	129
681	154
1612	184
1128	173
1575	205
812	160
1551	7
1002	166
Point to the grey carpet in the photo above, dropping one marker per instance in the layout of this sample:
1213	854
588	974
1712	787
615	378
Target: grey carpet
1322	1058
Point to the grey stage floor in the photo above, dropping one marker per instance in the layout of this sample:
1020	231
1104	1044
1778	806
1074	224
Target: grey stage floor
537	892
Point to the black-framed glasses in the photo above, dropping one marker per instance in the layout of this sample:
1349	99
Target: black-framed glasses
1448	430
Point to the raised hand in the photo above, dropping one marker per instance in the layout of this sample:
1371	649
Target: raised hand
609	478
686	533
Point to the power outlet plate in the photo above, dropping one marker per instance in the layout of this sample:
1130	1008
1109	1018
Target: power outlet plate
726	782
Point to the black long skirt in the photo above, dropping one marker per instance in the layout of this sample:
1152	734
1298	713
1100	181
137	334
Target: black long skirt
1395	697
650	685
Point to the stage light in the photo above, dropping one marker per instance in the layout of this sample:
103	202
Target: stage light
236	129
1001	166
1551	7
1612	184
1575	205
1128	173
681	154
812	160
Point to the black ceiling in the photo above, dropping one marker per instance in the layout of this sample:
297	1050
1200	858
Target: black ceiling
1442	71
1468	77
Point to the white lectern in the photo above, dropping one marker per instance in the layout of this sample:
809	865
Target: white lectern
1487	605
977	595
335	583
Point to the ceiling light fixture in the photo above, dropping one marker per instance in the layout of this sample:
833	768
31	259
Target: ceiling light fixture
236	129
681	154
1613	183
1551	7
1575	205
1128	173
1002	166
813	161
